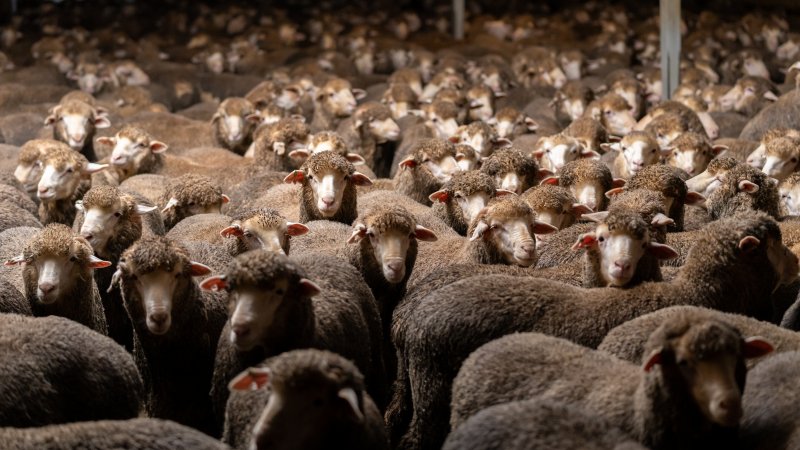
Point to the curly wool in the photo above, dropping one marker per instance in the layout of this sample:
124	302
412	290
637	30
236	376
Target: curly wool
585	170
372	111
660	178
261	269
155	253
311	368
548	197
193	189
702	336
334	142
434	149
383	218
58	240
728	200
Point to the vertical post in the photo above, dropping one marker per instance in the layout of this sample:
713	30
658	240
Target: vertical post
13	6
670	14
458	19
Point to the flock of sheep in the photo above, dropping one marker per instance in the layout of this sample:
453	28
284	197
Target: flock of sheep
336	227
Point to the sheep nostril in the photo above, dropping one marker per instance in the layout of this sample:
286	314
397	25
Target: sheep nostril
241	330
159	318
46	288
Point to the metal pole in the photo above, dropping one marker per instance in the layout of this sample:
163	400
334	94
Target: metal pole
458	19
13	6
670	12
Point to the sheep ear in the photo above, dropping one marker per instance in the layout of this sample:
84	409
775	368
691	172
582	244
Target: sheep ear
107	140
424	234
359	231
297	176
480	230
359	179
586	153
308	288
225	199
198	270
51	119
101	122
91	168
351	400
173	202
769	95
233	230
598	216
97	263
355	159
216	283
544	173
300	153
585	240
15	260
543	228
748	244
454	139
503	192
158	147
608	147
253	117
579	209
656	357
144	209
718	148
618	182
614	138
407	163
756	346
666	151
251	379
551	180
748	186
662	251
501	143
694	198
660	220
217	115
614	192
359	94
531	124
295	229
537	153
439	196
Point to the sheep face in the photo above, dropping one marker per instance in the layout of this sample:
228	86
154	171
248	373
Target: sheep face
573	108
338	98
555	151
90	78
100	222
130	151
384	130
156	290
706	182
693	160
782	156
54	261
563	217
443	169
615	114
510	123
639	153
390	246
231	121
255	233
758	157
129	74
74	123
783	261
512	235
481	104
479	140
443	126
743	96
60	179
790	199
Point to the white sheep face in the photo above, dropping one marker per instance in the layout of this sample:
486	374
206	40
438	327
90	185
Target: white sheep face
76	128
705	183
790	199
444	127
758	157
233	128
620	254
328	189
99	224
56	276
29	175
638	155
618	122
573	108
589	194
510	182
513	237
443	169
384	130
253	313
255	236
690	160
342	103
780	166
58	183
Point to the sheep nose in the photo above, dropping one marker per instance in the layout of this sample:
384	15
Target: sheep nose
44	189
46	288
159	318
87	235
622	265
396	265
328	200
241	330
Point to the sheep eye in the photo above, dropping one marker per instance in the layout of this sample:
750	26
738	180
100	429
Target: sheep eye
608	113
310	178
279	291
248	234
435	119
117	214
653	151
794	160
70	170
370	234
601	239
73	258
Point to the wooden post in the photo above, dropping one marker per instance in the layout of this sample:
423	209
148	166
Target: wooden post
670	13
458	19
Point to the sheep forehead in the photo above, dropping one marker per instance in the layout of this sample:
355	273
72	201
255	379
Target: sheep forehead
62	158
262	268
436	149
265	220
547	196
337	85
470	182
508	114
585	170
389	218
444	109
627	222
644	201
691	141
135	134
508	209
105	197
614	102
705	339
373	111
639	137
155	253
402	93
304	369
724	163
30	152
194	188
504	161
288	129
792	181
76	107
782	147
236	106
57	240
326	162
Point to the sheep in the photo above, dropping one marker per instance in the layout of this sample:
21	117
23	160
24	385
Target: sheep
553	152
730	261
744	188
613	112
268	292
334	101
687	393
782	113
571	101
400	98
480	136
188	195
12	216
288	388
663	179
58	371
511	123
627	340
65	174
467	157
328	188
633	153
692	152
232	129
588	180
782	156
589	132
272	144
463	197
176	327
770	420
135	152
111	221
757	156
57	272
537	423
370	126
749	95
511	170
790	195
554	205
709	180
12	301
74	123
150	186
29	168
14	196
153	434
